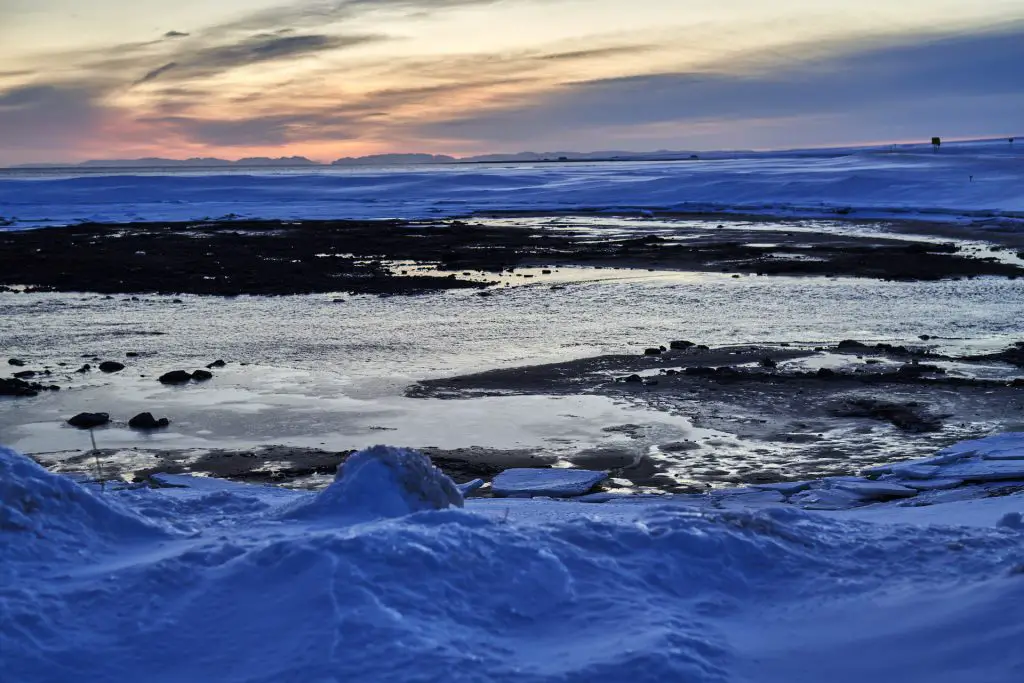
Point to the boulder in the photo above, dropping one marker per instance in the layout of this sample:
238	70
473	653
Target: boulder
851	345
17	362
111	366
84	369
25	374
175	377
147	421
89	420
216	364
202	375
681	345
652	352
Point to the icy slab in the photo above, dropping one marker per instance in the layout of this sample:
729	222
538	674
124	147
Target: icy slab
913	471
786	488
826	499
943	484
530	482
986	470
748	496
875	490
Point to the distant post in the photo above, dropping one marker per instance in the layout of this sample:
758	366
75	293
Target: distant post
936	143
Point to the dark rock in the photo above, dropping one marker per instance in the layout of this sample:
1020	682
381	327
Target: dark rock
925	337
25	374
825	373
632	379
111	366
918	369
147	421
909	417
132	354
681	345
216	364
768	362
202	375
18	387
84	369
175	377
851	345
702	347
17	362
652	352
89	420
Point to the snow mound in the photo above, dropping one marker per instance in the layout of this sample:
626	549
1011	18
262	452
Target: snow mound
40	512
382	482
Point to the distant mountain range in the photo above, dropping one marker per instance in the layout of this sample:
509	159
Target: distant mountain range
371	160
953	146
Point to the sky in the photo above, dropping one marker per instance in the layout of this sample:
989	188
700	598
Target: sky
332	78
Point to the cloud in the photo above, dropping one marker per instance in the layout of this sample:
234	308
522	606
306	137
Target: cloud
156	73
214	59
51	116
912	78
319	12
170	35
597	52
260	131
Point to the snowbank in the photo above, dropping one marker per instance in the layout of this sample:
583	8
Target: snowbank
976	181
515	590
44	515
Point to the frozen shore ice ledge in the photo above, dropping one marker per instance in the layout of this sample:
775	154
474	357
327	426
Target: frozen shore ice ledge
978	182
383	577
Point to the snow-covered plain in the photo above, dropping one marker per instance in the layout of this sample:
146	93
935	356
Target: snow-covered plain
970	181
388	575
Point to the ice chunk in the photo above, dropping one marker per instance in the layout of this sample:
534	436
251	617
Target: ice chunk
826	499
874	490
382	482
786	488
933	484
985	470
560	483
909	470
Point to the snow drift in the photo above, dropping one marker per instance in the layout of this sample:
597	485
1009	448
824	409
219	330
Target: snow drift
43	514
510	590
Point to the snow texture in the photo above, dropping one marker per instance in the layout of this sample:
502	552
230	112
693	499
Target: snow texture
560	483
979	181
215	581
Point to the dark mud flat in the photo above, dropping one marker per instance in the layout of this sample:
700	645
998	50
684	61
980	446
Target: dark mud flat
276	258
794	424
